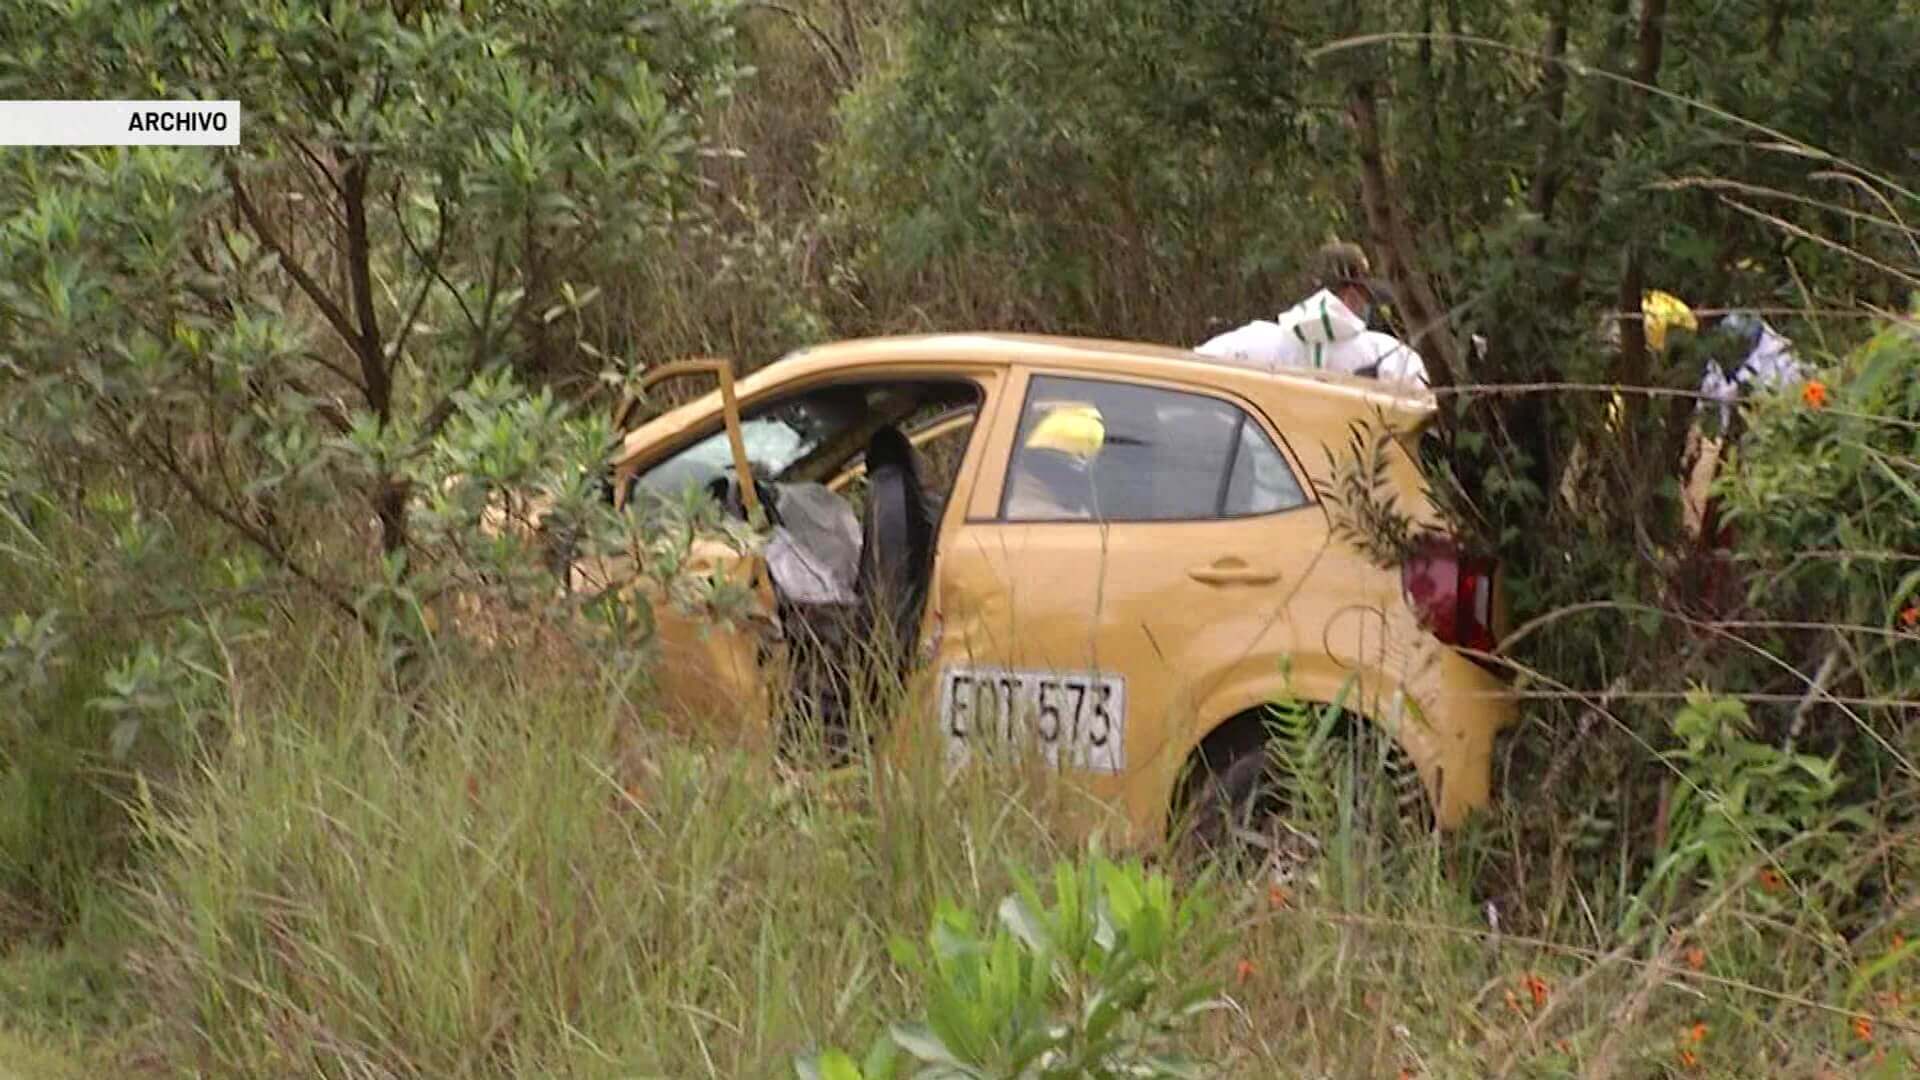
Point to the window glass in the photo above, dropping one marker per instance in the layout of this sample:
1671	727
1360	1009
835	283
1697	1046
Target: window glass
806	437
1262	483
1093	449
773	443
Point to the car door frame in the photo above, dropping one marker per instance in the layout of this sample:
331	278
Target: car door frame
989	378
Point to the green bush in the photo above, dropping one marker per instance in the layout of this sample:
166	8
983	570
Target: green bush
1120	167
95	691
1100	983
1825	493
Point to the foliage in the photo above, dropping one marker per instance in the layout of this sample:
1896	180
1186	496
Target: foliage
355	366
527	884
330	326
92	639
1301	743
1827	504
1085	987
1362	499
1073	165
1738	800
521	876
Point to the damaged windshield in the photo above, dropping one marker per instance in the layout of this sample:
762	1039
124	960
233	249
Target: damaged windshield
804	439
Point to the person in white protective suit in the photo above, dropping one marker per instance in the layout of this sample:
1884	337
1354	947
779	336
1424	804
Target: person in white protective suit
1327	330
1769	364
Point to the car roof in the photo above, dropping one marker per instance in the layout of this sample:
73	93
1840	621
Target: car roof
1105	356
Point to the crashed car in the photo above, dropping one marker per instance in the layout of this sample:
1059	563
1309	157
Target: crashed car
1113	555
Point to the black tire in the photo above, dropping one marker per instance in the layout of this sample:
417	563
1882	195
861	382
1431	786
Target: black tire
1233	816
1230	803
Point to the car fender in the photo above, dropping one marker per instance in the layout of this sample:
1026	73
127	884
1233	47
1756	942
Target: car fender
1453	761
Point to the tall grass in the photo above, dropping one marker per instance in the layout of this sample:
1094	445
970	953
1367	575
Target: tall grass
521	877
480	890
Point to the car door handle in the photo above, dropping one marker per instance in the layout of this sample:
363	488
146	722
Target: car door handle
1232	571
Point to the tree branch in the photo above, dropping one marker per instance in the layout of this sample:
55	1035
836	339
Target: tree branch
308	285
434	271
1653	17
329	411
375	371
482	351
266	542
335	369
1633	339
1601	123
412	317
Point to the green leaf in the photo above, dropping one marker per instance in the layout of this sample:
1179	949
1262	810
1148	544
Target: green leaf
1026	924
882	1060
834	1065
920	1041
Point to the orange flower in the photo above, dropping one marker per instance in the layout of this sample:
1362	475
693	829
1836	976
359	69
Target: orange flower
1863	1028
1814	393
1689	1059
1899	940
1910	617
1697	958
1244	970
1537	989
1697	1033
1407	1073
1771	881
1279	897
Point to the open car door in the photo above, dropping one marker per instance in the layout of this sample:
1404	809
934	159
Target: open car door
713	673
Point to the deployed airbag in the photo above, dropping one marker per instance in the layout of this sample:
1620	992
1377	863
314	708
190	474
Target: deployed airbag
814	553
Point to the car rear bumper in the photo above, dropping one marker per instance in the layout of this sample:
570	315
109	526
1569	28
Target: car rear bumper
1463	707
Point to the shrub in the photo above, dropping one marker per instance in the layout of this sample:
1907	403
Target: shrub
1097	984
332	332
1824	491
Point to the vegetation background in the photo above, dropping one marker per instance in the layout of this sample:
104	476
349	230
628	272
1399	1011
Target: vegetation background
263	813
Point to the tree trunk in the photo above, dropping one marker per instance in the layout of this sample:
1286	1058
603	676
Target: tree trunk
1545	187
1633	368
376	368
1429	331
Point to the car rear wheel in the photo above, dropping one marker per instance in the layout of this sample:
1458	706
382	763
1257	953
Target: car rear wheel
1245	818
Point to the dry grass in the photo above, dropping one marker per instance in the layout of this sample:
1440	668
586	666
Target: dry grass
470	891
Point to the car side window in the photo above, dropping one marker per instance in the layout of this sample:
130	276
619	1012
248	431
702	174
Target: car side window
1261	481
1095	449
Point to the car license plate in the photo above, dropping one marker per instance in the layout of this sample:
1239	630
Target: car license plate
1074	719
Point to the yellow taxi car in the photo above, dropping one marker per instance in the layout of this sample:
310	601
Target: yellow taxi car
1114	554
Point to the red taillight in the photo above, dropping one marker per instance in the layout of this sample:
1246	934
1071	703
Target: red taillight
1453	595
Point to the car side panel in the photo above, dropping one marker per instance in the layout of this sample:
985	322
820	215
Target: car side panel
719	677
1087	597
